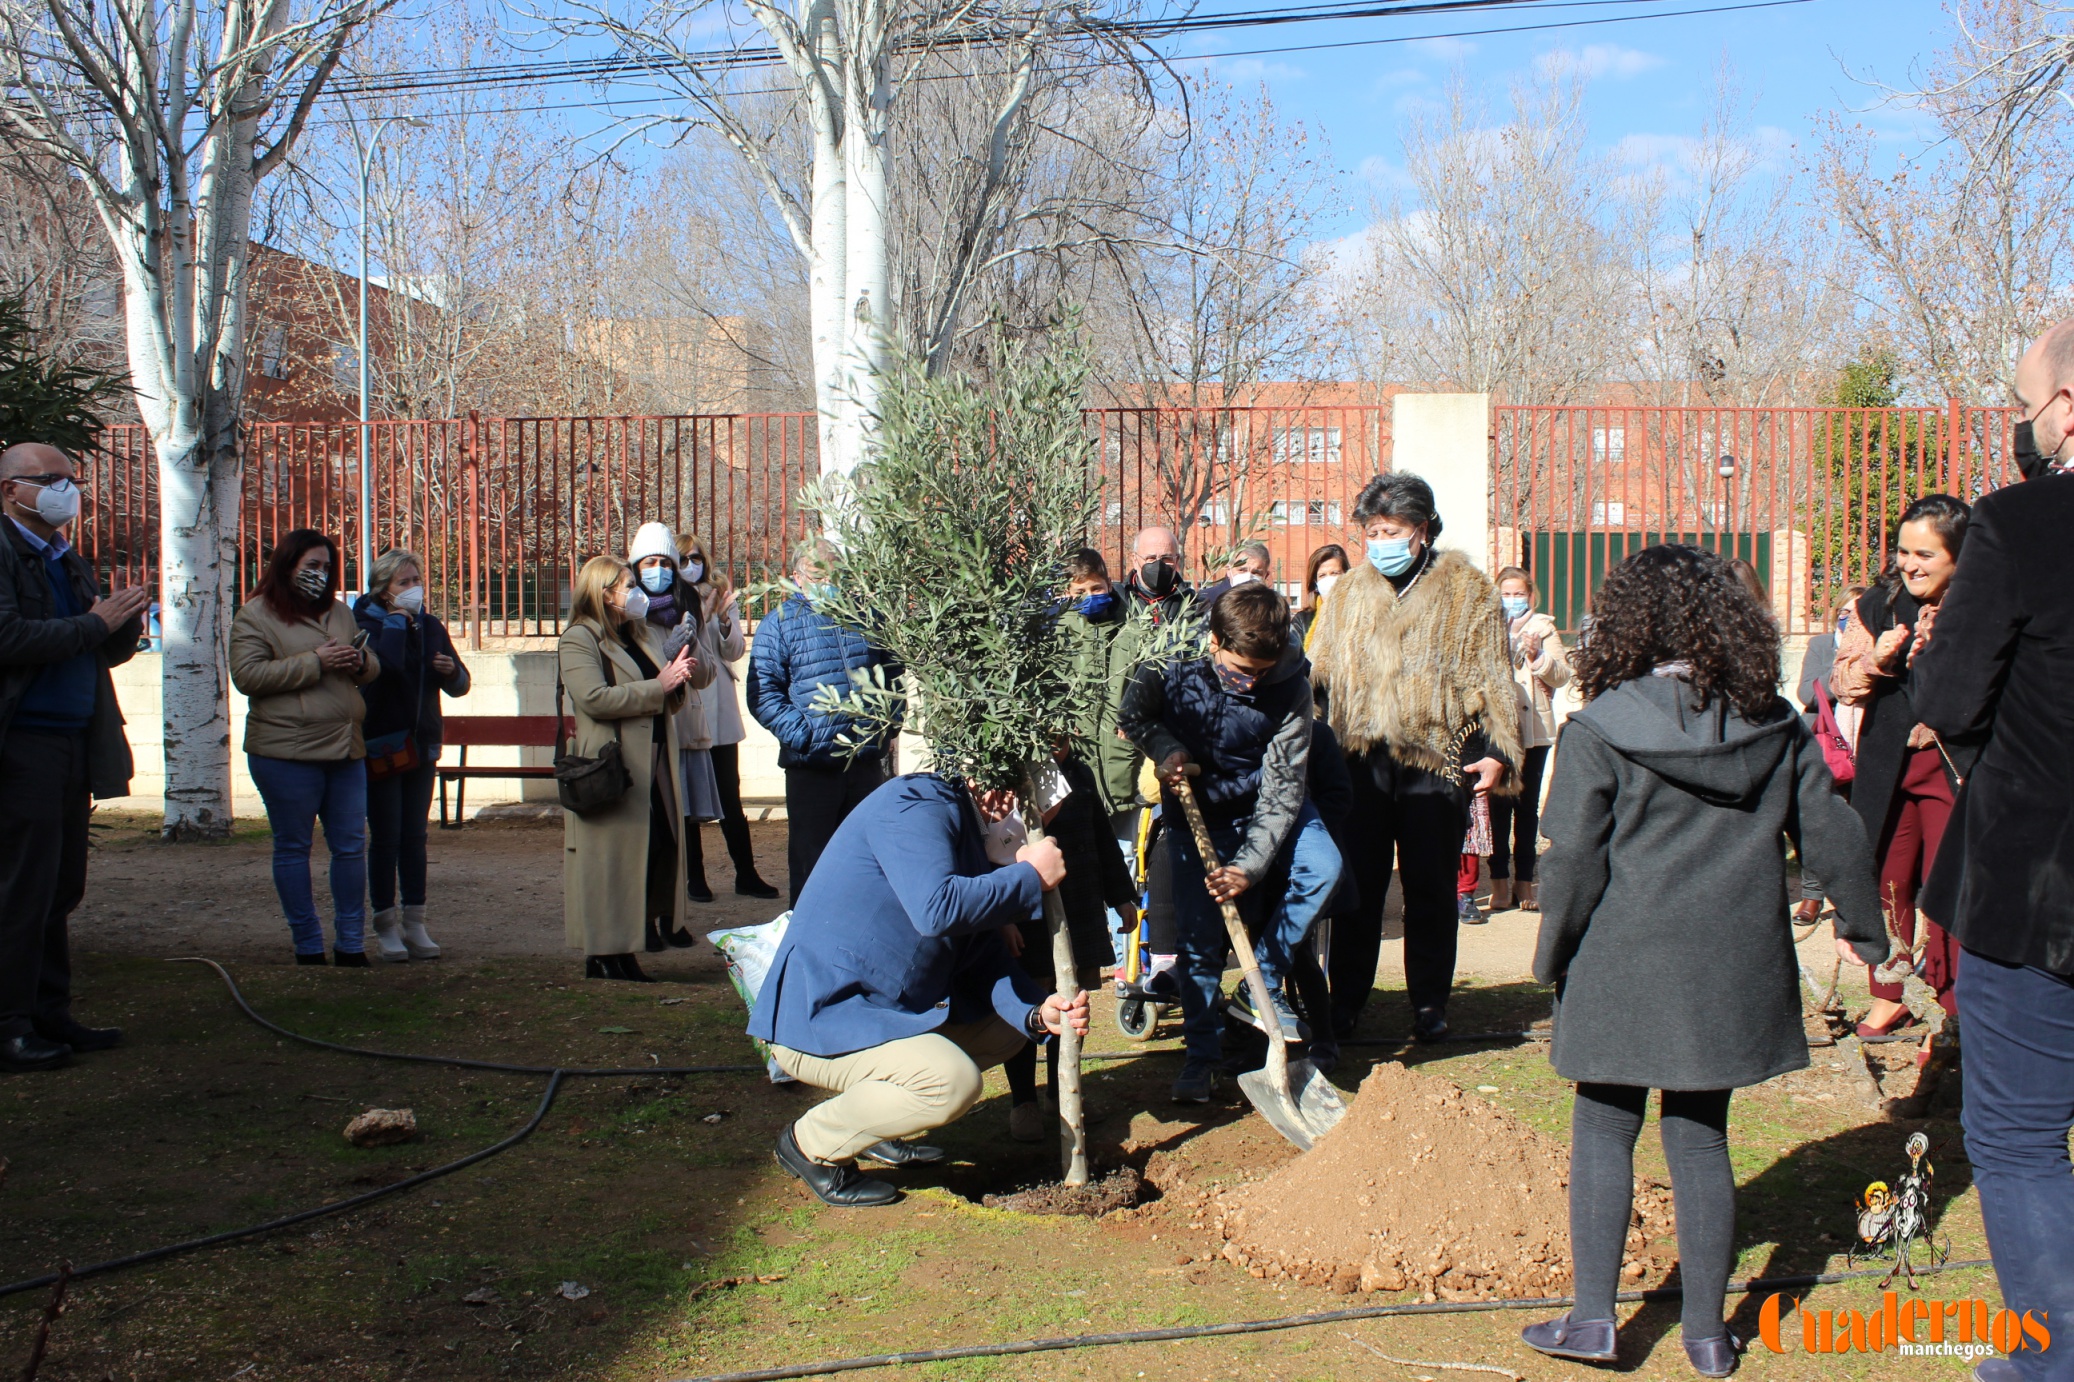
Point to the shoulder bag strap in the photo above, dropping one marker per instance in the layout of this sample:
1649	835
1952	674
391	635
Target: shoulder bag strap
605	665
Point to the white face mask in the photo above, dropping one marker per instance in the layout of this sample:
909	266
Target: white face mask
694	571
1239	578
636	606
1325	585
410	601
55	506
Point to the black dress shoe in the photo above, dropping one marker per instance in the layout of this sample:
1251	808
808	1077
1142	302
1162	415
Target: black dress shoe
843	1186
312	957
594	967
21	1054
679	938
749	885
1588	1341
351	959
651	938
68	1031
1428	1025
627	968
697	890
901	1154
1714	1357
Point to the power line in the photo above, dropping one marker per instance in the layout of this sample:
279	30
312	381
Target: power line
623	65
666	97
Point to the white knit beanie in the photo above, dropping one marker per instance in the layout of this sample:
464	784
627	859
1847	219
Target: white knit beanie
652	540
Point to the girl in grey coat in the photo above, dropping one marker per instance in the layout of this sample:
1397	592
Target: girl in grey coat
1664	921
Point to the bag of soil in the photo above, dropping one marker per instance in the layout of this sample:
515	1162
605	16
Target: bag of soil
749	951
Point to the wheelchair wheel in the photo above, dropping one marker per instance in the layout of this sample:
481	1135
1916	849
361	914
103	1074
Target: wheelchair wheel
1136	1018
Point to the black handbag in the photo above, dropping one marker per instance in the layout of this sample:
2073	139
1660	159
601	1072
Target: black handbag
588	786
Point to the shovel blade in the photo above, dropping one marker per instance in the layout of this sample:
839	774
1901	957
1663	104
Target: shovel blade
1304	1110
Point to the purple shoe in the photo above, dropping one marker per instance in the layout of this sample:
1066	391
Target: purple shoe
1588	1341
1714	1357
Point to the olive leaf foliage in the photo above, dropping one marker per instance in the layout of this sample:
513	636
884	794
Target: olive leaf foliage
951	546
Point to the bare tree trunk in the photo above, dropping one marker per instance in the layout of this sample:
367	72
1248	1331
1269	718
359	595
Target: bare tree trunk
1066	979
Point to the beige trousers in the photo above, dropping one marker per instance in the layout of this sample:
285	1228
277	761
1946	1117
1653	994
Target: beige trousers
896	1090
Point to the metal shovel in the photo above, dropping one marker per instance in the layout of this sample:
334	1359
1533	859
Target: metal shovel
1301	1104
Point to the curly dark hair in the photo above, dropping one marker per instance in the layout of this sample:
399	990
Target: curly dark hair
1674	603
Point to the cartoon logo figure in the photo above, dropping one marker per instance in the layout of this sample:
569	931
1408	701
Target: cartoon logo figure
1896	1221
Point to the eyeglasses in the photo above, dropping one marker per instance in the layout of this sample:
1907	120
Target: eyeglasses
55	480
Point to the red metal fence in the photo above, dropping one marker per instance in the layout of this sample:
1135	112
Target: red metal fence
1809	496
505	510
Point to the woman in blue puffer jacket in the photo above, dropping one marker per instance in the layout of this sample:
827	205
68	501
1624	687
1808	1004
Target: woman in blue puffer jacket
403	731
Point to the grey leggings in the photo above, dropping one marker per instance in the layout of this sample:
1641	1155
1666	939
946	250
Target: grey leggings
1604	1124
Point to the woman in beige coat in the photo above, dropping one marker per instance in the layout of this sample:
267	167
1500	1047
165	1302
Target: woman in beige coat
294	654
622	867
1540	668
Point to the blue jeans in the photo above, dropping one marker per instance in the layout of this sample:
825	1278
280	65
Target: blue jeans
397	806
297	795
2018	1027
1313	867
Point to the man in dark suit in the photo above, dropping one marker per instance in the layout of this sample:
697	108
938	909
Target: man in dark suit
893	985
1998	668
61	744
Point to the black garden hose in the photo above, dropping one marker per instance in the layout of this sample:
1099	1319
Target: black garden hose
1212	1331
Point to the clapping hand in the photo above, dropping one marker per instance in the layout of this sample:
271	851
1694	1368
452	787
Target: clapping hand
678	670
720	594
120	606
1926	622
1886	652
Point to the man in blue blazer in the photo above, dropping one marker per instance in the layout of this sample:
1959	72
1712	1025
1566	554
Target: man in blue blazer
893	985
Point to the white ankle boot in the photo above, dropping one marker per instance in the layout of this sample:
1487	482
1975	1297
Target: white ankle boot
420	945
388	936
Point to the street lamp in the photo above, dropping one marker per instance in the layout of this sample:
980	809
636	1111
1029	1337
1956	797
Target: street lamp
366	153
1726	469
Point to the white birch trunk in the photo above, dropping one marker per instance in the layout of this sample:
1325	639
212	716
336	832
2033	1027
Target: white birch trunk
868	95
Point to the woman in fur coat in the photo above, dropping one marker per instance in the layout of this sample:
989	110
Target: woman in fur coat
1412	666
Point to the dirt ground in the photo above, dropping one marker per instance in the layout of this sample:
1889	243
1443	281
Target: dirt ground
685	1252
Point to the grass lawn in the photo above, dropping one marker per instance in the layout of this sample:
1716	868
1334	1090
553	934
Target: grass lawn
648	1192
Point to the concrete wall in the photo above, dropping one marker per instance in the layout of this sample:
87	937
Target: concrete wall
520	682
1445	440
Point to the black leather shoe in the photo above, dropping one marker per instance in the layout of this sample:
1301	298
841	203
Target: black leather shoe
627	968
1429	1024
312	957
351	959
594	967
69	1031
1588	1341
21	1054
1713	1357
843	1186
680	939
697	890
901	1154
749	885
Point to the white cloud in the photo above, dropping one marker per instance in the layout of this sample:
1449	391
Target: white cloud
1254	70
1443	49
1597	60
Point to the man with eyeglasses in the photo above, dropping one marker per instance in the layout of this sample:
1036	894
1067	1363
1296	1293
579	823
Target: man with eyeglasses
61	745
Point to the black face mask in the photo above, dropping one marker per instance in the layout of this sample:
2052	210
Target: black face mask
1159	578
2023	449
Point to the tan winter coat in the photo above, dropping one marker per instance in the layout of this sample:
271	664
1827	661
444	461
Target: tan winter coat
295	708
605	858
1413	673
1538	678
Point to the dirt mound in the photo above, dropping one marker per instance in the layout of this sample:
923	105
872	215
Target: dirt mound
1424	1188
1120	1189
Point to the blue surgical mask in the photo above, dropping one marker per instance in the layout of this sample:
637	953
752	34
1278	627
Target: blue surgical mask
1515	605
1098	605
1390	555
657	579
821	592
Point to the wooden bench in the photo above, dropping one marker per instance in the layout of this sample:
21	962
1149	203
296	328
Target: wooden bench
494	731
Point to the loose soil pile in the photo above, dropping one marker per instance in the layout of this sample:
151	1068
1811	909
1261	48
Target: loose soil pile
1120	1189
1424	1188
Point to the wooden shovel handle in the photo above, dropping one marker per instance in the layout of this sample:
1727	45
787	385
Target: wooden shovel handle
1263	1003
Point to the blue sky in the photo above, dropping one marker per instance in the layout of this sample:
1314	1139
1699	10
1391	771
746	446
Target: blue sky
1653	79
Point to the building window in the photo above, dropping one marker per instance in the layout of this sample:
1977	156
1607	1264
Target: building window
1307	445
273	351
1213	515
345	369
1609	445
1609	515
1314	513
